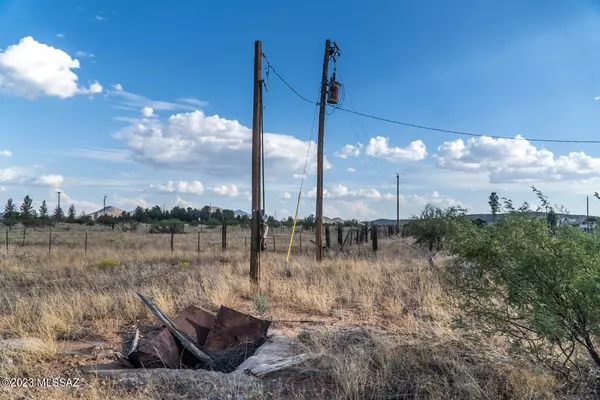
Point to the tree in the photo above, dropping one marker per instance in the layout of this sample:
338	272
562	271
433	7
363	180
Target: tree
58	214
229	216
26	208
308	222
156	213
494	202
9	208
205	214
43	210
71	214
536	286
434	228
10	215
139	214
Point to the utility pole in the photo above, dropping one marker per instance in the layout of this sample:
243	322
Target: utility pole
587	200
104	209
58	194
330	51
397	203
256	165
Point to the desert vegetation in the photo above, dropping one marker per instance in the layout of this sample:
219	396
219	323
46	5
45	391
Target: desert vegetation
455	309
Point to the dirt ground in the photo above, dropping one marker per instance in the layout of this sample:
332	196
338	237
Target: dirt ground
406	348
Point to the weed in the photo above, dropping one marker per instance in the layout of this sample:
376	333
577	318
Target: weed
261	303
106	263
183	263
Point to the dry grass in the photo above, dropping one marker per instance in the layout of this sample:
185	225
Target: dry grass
410	350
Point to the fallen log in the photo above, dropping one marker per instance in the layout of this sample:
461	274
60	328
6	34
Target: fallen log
185	341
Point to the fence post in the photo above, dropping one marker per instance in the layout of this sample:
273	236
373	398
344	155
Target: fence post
274	249
224	236
198	248
245	242
327	236
6	240
374	233
340	234
49	241
85	244
357	235
172	239
300	243
431	238
351	234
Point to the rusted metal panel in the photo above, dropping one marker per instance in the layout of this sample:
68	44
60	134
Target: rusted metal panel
164	350
232	328
234	337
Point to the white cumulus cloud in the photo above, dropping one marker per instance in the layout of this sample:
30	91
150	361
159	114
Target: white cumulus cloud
27	177
285	195
183	187
31	69
515	160
5	153
131	202
349	150
215	145
379	147
147	112
53	180
226	190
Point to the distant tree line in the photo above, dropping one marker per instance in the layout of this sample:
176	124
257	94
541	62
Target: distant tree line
26	215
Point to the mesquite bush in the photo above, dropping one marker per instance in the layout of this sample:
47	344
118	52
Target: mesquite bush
539	285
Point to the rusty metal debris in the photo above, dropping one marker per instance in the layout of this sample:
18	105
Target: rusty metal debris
199	339
234	337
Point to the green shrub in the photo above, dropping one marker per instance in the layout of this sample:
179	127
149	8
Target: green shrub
434	228
213	223
106	263
131	226
261	303
167	226
538	285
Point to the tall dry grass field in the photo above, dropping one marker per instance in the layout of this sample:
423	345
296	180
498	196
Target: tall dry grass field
407	350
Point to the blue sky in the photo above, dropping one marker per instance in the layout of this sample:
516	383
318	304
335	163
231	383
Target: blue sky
151	102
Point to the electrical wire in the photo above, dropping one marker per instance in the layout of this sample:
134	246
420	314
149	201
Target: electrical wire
285	82
364	131
262	156
428	128
312	129
463	133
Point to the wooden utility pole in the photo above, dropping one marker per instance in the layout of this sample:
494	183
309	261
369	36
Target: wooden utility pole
256	151
320	143
224	235
397	203
330	51
587	200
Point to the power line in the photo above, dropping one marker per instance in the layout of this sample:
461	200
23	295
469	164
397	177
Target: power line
285	82
462	132
423	127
